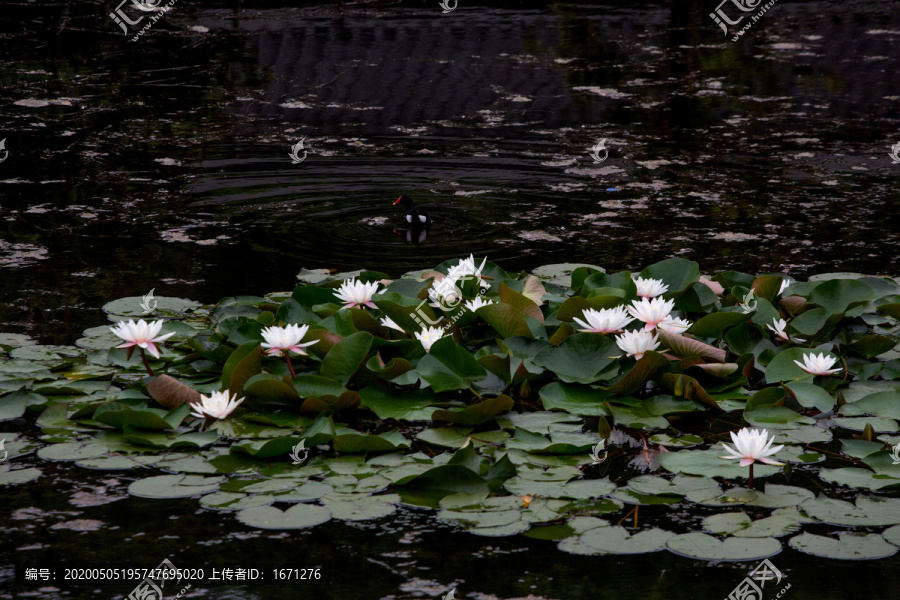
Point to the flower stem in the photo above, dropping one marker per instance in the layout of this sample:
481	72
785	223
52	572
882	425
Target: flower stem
146	364
287	359
750	483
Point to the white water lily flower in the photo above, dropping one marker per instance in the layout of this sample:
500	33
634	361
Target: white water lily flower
280	340
477	303
605	320
651	312
429	336
751	445
141	334
357	293
650	288
818	364
674	324
389	322
217	405
635	343
465	267
777	327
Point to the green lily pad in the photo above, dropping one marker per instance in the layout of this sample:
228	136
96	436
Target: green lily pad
618	540
709	464
296	517
174	486
848	546
234	501
14	477
868	511
706	547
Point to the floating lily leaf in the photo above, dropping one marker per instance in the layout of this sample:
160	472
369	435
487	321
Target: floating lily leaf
234	501
163	306
740	525
776	417
171	393
449	367
360	507
706	547
574	398
714	325
244	363
868	511
685	347
812	396
451	437
709	464
617	540
837	295
174	486
271	387
677	273
121	415
9	476
581	358
12	406
296	517
878	424
860	478
583	489
476	414
346	357
353	442
168	439
848	546
649	365
72	451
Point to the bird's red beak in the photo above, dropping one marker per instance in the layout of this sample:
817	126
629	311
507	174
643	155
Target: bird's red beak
397	201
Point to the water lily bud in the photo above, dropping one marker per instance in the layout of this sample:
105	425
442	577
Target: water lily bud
525	389
526	501
679	386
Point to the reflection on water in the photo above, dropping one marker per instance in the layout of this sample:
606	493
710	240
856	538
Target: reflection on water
164	164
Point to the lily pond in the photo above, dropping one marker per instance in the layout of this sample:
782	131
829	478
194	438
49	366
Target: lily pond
648	341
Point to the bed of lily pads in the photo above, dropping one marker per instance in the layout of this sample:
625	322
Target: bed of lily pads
512	423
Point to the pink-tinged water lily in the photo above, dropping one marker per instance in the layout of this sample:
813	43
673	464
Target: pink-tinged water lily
389	322
356	293
674	324
650	288
651	312
477	303
217	405
429	336
751	445
141	334
777	327
636	343
281	340
605	320
818	364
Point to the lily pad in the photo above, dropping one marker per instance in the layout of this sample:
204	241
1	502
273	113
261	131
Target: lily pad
296	517
174	486
706	547
847	546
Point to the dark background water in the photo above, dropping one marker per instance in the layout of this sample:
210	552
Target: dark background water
162	163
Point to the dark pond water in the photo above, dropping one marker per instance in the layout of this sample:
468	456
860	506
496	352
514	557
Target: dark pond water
163	163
